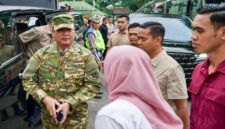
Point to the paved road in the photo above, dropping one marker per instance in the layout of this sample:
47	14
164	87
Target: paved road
17	122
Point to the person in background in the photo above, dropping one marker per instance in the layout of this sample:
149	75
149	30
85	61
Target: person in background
207	86
168	72
1	25
121	37
133	33
6	51
94	40
110	26
33	40
104	31
134	95
62	77
87	26
86	22
7	33
95	43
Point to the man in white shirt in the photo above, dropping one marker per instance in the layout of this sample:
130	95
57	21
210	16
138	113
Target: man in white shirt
110	26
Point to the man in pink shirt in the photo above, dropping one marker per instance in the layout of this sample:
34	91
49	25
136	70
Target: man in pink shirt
208	86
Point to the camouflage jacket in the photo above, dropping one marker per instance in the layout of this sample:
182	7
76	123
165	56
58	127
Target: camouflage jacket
72	77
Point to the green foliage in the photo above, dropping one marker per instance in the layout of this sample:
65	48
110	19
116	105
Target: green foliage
136	4
102	4
89	2
105	10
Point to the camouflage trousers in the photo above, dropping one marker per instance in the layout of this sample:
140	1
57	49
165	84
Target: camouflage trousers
74	120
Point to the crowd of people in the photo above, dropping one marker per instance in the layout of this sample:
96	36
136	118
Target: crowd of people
147	88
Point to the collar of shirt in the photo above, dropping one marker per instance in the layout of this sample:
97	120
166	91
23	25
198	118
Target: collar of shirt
71	48
91	28
63	51
109	24
157	58
104	25
125	32
220	67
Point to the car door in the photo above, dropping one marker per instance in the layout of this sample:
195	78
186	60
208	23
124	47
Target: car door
12	61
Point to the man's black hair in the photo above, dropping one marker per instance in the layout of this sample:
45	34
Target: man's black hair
105	18
155	29
124	16
217	12
89	21
134	25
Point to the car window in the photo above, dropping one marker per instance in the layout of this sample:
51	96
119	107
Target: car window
33	21
7	46
176	29
78	20
28	21
9	31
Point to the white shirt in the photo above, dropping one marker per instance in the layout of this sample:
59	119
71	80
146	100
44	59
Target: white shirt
110	27
121	114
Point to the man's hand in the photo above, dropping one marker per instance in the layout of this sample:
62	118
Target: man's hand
99	64
65	107
182	112
50	104
109	32
81	36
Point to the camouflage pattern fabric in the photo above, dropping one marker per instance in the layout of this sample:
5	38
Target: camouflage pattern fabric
63	21
69	77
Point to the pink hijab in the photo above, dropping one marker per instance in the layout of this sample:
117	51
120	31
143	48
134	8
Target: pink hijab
128	74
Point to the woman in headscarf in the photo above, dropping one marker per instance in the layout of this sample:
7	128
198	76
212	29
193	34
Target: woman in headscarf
135	99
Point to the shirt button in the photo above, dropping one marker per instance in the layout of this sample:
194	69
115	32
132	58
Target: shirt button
205	83
199	118
202	101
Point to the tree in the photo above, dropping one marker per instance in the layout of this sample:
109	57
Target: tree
133	5
136	4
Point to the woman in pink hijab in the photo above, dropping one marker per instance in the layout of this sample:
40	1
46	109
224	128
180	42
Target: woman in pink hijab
135	99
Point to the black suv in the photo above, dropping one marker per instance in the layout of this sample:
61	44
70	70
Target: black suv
177	41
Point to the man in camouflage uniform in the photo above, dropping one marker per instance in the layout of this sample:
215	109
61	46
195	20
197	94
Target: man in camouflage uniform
63	74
